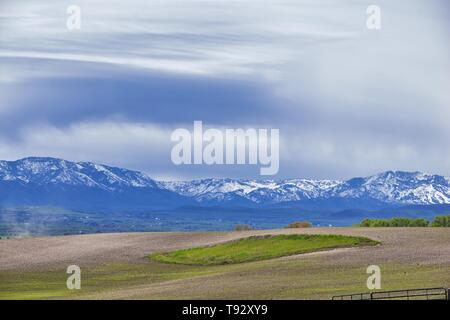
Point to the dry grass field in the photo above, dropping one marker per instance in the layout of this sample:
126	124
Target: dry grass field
116	266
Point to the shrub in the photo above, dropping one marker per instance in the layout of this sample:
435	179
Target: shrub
365	223
399	222
380	223
299	224
420	222
242	227
441	221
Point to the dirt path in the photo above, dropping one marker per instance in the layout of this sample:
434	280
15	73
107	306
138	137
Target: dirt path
404	245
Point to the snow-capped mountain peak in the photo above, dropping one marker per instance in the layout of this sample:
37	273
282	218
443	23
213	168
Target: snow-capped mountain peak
50	171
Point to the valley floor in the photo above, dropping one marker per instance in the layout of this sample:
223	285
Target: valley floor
115	266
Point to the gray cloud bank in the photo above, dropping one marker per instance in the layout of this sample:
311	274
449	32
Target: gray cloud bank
348	101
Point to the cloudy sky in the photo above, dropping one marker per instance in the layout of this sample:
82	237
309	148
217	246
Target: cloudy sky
348	101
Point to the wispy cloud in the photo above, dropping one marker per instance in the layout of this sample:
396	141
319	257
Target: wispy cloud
200	37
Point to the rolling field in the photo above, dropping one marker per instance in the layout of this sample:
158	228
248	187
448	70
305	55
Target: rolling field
116	266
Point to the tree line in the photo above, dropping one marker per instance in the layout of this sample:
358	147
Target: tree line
438	221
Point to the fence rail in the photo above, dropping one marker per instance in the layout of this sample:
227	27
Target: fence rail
410	294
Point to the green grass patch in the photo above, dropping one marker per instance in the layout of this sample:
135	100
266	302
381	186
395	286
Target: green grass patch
259	248
51	284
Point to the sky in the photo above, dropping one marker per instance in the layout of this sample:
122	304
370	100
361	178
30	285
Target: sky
348	101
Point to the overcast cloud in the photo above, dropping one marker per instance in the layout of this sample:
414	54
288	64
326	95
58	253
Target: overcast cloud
348	101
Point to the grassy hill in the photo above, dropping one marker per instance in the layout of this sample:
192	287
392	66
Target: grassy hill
259	248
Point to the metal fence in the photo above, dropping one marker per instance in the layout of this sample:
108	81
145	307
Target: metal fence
410	294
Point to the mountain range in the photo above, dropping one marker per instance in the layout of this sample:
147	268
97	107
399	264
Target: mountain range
85	185
80	185
387	188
